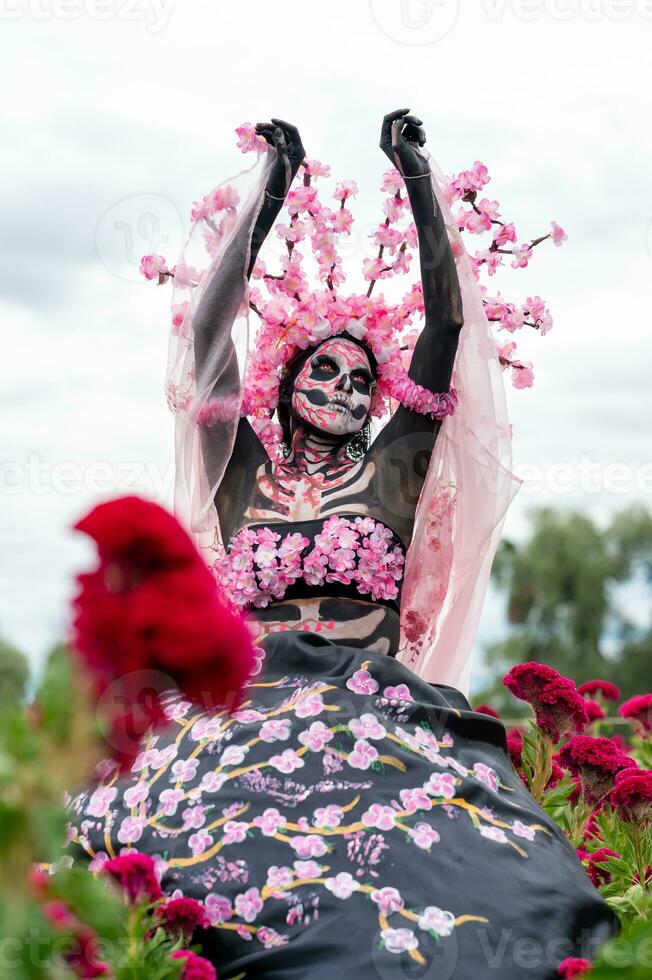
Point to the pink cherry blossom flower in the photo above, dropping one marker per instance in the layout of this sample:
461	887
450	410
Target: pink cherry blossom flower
522	830
169	800
199	842
247	716
522	374
194	817
184	770
248	904
441	785
558	234
522	255
388	900
401	692
316	737
343	885
367	726
233	755
494	833
328	816
287	761
275	730
485	774
399	940
415	799
504	235
311	846
101	800
212	782
131	829
309	706
307	869
437	920
235	831
205	728
424	836
151	266
279	877
269	822
345	189
382	817
363	755
218	908
361	682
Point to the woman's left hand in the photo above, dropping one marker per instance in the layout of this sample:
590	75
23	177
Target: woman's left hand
401	138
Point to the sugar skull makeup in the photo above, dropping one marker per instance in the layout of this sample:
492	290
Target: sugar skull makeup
333	389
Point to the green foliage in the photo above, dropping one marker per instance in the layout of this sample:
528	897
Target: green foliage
14	676
562	605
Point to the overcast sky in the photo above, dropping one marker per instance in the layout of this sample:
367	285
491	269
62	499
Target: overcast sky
118	113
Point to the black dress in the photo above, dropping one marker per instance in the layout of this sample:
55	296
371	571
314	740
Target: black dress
351	821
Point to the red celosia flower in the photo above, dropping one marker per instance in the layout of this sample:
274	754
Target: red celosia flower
594	710
196	967
135	874
609	691
639	709
82	958
558	708
182	915
600	876
632	794
153	606
515	745
486	709
556	774
596	761
573	966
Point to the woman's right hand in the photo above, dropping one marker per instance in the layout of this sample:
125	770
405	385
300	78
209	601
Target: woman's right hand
285	138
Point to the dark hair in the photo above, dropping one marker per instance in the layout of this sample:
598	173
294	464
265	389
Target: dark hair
359	443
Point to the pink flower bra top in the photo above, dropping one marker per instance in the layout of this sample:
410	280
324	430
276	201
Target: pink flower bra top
356	556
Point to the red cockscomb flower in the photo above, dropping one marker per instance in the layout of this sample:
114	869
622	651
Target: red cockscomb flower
150	617
594	711
195	967
600	876
134	872
557	706
82	959
182	915
609	691
632	794
515	745
596	761
574	966
638	709
486	709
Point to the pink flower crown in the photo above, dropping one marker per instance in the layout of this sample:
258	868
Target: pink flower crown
295	316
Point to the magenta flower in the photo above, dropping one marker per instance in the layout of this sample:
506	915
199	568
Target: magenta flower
639	710
135	874
182	916
195	967
361	682
574	966
632	795
609	691
596	761
558	708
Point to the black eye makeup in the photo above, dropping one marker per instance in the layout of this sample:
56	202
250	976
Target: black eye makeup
325	366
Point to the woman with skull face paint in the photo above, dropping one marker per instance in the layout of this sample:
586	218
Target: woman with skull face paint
350	819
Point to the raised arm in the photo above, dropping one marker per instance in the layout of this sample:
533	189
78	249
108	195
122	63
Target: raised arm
214	350
402	450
